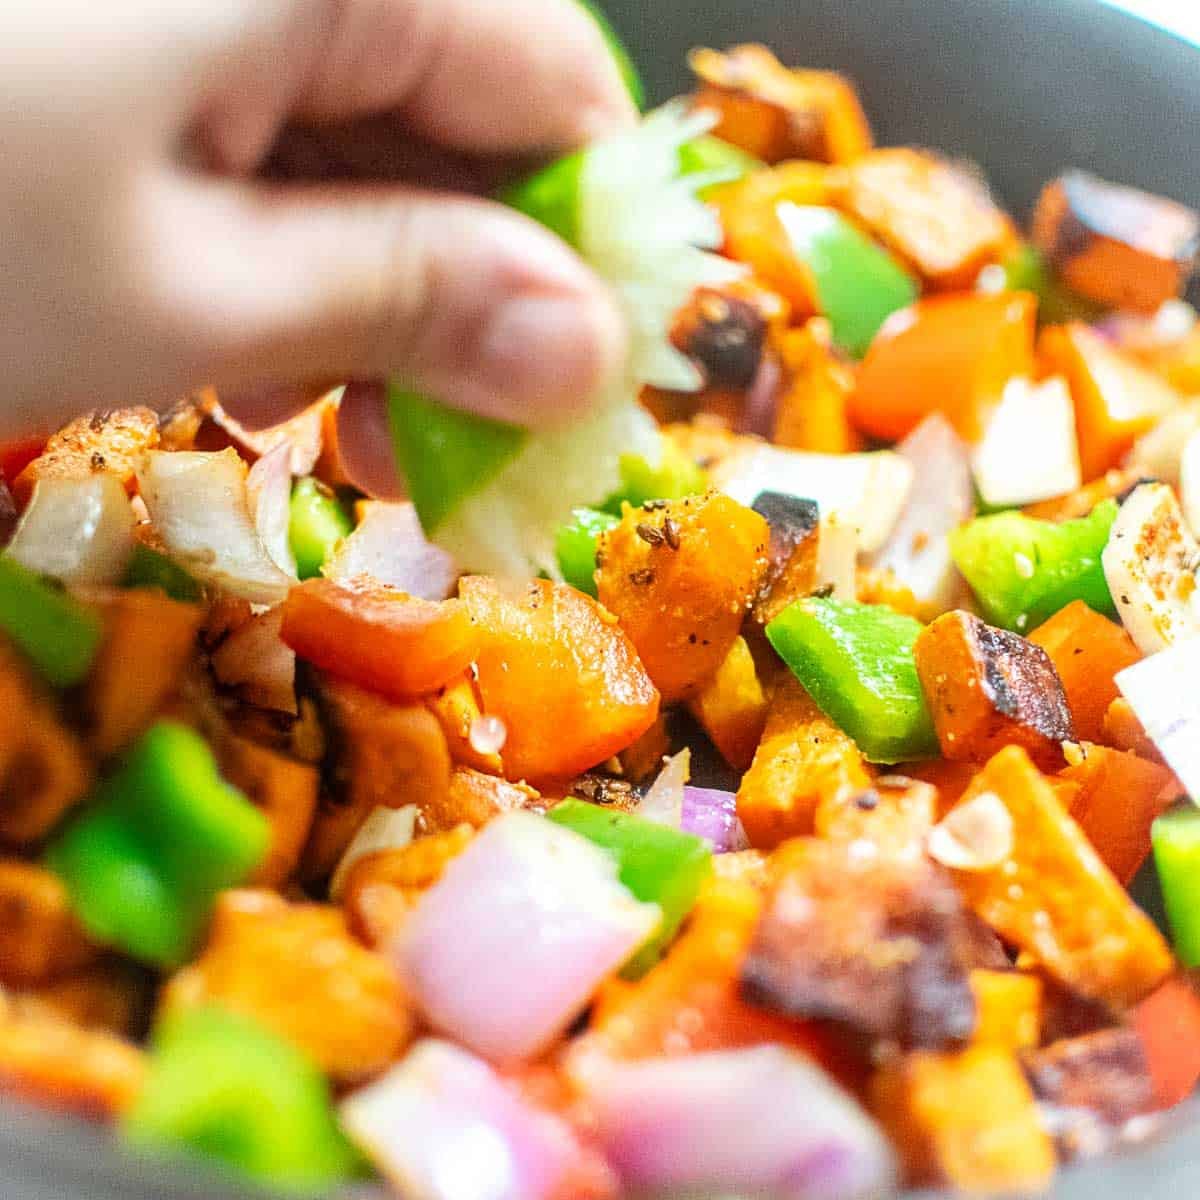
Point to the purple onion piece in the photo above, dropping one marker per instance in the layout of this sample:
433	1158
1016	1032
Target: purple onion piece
712	815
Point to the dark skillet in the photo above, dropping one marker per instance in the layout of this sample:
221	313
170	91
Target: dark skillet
1024	87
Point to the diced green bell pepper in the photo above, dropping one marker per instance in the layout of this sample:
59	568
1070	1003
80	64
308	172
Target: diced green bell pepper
1025	270
856	661
149	569
316	524
859	285
550	196
162	835
1023	570
55	632
675	476
629	73
720	161
656	863
1176	840
575	547
222	1086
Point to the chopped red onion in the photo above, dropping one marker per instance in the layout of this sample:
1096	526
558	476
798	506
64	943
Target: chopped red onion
390	546
712	814
256	660
763	1121
506	949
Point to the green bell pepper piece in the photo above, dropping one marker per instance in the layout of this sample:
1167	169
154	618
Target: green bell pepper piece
859	285
1176	840
619	51
163	835
1023	570
656	863
1025	270
149	569
575	547
56	633
222	1086
317	522
675	476
550	196
719	160
856	661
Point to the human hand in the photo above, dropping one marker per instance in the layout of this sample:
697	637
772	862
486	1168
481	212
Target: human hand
164	229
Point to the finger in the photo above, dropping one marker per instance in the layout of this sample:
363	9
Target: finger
365	441
461	298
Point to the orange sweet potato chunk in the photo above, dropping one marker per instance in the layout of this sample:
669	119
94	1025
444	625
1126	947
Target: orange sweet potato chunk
732	707
1054	898
560	673
894	814
810	412
1008	1005
456	706
40	939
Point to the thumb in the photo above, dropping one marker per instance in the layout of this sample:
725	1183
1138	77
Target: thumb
461	298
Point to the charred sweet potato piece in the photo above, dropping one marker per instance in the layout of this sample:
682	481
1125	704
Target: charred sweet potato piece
560	673
679	578
810	413
1119	246
880	946
793	547
724	334
1168	1024
474	798
1009	1008
295	969
803	758
1119	797
43	769
933	214
148	640
988	688
97	443
1087	651
111	994
775	113
1055	899
385	754
732	707
456	706
285	790
894	814
967	1121
40	939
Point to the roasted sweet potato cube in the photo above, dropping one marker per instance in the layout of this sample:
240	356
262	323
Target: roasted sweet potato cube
644	757
792	553
110	443
457	708
881	585
295	969
967	1120
1009	1007
1123	731
724	334
810	412
878	945
775	113
933	214
1119	246
1112	485
802	759
894	814
40	939
474	798
988	688
1053	897
732	707
111	994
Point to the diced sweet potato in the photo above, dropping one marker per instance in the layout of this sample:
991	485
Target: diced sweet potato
775	113
1112	485
724	332
386	754
894	814
1087	651
148	640
1115	399
966	1120
950	778
881	585
112	994
456	706
1123	731
810	413
802	759
97	443
878	945
40	939
644	757
1116	245
1009	1008
931	213
988	688
1119	797
474	798
295	969
679	577
1168	1024
1055	899
793	553
43	769
732	707
560	673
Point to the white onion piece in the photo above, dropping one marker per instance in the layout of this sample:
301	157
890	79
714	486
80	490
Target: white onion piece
1162	691
269	494
506	949
198	504
255	659
663	801
1150	564
762	1122
1158	454
76	530
384	829
303	434
390	546
866	491
837	557
441	1125
918	551
1029	451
